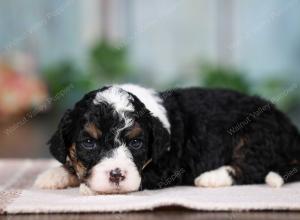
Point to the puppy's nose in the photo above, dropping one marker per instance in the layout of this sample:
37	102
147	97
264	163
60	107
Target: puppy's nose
115	176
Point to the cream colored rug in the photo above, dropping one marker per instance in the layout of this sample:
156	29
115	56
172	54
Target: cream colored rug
18	196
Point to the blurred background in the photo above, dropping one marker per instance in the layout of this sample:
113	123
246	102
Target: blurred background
54	51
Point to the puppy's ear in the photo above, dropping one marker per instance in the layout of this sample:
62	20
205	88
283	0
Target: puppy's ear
60	140
160	139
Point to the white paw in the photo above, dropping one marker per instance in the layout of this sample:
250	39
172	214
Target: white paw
274	180
56	178
86	191
215	178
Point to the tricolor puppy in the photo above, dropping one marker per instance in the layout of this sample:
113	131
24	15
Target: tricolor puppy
124	138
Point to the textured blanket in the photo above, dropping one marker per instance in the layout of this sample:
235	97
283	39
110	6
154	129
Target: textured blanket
18	196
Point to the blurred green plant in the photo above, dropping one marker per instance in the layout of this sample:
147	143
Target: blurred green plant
224	77
108	63
62	75
282	92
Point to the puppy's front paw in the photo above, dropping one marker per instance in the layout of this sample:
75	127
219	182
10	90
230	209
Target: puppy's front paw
215	178
85	190
56	178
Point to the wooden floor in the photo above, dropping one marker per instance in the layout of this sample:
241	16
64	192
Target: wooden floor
179	214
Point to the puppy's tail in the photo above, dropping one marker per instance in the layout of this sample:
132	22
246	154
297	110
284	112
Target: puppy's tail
291	171
283	175
297	146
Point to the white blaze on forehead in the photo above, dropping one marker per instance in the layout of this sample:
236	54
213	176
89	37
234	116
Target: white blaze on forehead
151	100
122	159
116	97
120	100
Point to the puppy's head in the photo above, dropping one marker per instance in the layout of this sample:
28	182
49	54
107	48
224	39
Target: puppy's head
111	135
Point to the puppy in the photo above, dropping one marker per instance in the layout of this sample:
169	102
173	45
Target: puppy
124	138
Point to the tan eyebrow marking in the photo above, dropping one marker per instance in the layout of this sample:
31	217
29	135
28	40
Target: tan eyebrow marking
135	131
92	130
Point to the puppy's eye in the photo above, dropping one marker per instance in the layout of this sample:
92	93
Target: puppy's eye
89	144
135	143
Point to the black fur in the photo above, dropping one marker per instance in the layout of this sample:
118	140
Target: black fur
209	129
201	138
61	138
